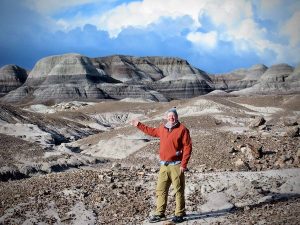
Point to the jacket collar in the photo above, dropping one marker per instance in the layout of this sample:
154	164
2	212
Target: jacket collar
169	126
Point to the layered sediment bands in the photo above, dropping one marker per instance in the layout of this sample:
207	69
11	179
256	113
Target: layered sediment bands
69	76
11	77
173	67
278	79
123	68
231	83
275	80
292	81
180	89
21	93
144	69
120	91
73	76
255	72
179	79
277	73
71	68
61	92
239	79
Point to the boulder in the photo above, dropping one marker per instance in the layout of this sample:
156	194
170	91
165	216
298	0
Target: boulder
289	122
241	165
258	121
292	131
250	152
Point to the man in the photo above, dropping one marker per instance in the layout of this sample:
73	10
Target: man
174	151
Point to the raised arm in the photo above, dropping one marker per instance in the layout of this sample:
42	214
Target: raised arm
146	129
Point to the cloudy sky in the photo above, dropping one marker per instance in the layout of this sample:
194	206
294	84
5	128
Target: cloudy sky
214	35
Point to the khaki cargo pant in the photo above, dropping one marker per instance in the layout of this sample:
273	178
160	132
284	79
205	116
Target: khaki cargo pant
170	175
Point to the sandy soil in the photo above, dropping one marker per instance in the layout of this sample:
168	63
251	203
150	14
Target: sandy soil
242	170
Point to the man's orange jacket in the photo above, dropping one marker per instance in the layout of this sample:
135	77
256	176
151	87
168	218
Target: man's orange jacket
175	145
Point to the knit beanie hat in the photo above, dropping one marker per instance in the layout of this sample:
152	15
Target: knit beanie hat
173	110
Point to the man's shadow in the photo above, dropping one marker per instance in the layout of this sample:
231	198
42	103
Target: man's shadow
203	215
275	197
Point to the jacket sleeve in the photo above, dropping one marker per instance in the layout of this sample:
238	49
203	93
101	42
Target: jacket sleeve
187	148
154	132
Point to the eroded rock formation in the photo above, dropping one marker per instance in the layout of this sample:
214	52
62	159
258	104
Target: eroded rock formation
73	76
278	79
11	77
239	79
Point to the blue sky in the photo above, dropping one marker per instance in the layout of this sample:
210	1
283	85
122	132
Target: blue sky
214	35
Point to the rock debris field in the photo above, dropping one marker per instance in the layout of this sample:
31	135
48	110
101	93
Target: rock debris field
83	163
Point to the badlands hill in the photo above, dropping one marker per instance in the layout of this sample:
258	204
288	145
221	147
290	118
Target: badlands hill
280	78
239	79
11	77
73	76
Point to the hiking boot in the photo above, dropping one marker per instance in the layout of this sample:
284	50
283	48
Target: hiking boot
156	218
177	219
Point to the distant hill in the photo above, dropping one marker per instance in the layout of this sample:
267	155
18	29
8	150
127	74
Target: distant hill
11	77
73	76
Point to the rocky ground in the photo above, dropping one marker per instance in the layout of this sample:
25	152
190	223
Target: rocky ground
244	168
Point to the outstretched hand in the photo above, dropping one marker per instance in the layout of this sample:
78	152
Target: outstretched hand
134	122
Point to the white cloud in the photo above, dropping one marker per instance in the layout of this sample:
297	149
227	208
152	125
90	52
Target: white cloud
228	12
248	36
292	29
141	14
75	22
204	40
247	30
233	21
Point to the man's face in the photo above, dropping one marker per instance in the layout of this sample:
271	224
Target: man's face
172	118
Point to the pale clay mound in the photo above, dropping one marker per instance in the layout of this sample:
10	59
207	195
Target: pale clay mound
218	92
29	132
140	100
118	147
